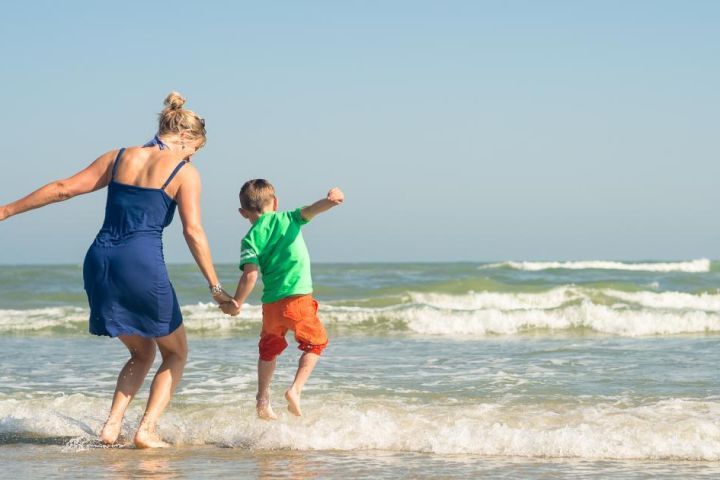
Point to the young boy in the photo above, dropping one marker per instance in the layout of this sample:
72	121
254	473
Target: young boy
275	246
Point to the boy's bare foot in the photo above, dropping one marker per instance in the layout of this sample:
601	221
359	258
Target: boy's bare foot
110	432
144	438
293	399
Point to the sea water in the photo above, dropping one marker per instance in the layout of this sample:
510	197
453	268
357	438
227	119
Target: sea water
501	370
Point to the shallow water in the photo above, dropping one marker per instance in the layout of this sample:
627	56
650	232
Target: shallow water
456	370
21	461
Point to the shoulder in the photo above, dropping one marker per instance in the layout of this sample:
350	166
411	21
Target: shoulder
262	229
189	171
188	176
105	162
249	236
185	187
254	236
110	155
134	150
127	155
130	152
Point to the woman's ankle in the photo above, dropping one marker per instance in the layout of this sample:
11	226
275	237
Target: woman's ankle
262	398
148	424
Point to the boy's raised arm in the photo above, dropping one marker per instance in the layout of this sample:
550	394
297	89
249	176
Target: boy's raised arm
334	197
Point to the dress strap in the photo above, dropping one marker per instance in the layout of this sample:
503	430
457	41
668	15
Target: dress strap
155	141
174	172
117	160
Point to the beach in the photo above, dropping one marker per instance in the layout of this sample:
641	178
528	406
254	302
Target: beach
449	370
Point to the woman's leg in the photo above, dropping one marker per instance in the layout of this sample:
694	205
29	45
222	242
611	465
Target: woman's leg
132	375
173	349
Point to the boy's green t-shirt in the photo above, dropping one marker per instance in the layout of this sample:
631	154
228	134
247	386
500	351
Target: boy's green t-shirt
276	245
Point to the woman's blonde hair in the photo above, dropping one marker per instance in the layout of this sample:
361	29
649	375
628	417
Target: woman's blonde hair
174	120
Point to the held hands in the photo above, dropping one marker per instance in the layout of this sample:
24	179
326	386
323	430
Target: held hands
227	303
336	196
222	296
230	308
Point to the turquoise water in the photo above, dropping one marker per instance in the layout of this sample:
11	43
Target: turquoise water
578	369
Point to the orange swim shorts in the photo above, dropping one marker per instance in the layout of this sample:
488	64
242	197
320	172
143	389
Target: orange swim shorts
297	313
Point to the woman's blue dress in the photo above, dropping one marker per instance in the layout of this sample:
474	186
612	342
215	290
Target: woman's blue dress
124	272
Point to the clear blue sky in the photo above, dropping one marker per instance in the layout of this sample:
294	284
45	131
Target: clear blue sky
460	130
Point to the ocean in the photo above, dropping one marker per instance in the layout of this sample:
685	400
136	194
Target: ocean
434	370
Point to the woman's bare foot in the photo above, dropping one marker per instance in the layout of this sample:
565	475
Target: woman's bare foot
264	410
146	438
293	399
110	432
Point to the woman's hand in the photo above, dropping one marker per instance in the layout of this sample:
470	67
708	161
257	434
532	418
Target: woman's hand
4	213
222	297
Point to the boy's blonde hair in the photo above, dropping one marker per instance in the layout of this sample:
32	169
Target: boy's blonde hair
256	194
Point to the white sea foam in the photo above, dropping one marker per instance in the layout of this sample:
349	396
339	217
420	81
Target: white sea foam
202	317
669	300
691	266
553	298
568	307
560	296
207	318
669	429
39	319
624	313
599	318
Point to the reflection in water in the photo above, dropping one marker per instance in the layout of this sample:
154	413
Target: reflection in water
156	468
43	461
290	465
142	464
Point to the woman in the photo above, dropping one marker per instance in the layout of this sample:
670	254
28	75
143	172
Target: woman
124	273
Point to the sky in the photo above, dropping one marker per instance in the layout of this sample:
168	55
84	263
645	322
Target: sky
459	130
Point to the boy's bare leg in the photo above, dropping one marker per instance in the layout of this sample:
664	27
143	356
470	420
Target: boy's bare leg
306	365
130	379
173	349
265	373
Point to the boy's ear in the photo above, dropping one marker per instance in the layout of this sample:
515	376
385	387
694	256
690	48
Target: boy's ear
243	212
275	204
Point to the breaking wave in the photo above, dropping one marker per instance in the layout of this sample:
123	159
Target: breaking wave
561	309
691	266
678	429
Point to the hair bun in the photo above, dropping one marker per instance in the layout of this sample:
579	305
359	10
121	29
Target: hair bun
174	101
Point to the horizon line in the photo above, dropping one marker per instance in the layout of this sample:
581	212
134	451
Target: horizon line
401	262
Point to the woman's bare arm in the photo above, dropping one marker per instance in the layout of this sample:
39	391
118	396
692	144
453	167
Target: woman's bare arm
94	177
188	200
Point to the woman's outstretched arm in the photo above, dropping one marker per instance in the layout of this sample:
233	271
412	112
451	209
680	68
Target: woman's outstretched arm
94	177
